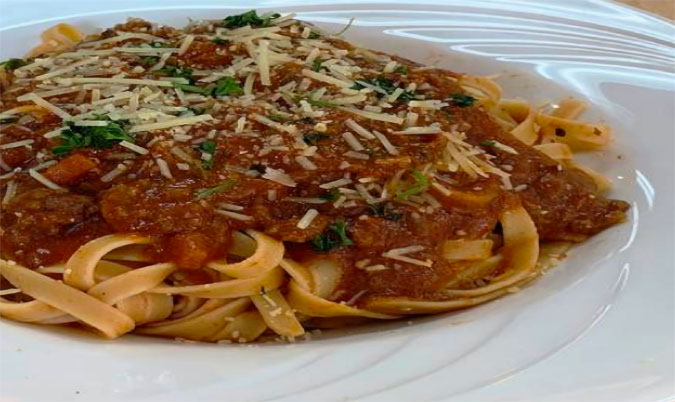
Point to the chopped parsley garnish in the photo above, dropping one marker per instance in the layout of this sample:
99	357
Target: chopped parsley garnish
149	60
175	71
227	86
420	186
220	41
249	18
488	143
388	87
384	211
314	102
316	65
12	64
331	196
91	137
333	237
277	117
462	100
262	291
313	138
204	193
314	35
224	86
192	88
157	45
208	147
401	70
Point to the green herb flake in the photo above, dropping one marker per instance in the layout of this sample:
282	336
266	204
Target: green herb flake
208	147
488	143
313	138
227	86
204	193
314	35
333	237
316	64
192	88
249	18
277	117
13	63
401	70
76	137
175	71
331	196
314	102
149	60
420	186
220	41
384	211
462	100
387	86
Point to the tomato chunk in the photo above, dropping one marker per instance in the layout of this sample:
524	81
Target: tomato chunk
70	170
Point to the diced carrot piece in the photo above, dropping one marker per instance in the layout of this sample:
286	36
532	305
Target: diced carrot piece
70	170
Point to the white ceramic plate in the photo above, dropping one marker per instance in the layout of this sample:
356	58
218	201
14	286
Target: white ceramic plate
599	327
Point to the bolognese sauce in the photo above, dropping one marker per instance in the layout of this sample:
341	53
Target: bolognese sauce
339	152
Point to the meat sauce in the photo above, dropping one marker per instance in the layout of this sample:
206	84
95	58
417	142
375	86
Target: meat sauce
41	227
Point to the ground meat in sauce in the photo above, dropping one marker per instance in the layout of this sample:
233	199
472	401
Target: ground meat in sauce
153	208
562	202
42	227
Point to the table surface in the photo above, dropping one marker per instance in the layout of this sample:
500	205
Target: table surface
664	8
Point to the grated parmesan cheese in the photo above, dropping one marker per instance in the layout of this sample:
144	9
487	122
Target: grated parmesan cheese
163	168
43	103
234	215
278	176
45	181
307	219
134	147
178	121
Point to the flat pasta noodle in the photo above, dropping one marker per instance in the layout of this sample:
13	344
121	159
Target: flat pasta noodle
245	327
305	302
556	150
580	136
526	130
110	321
267	255
228	289
59	37
146	308
200	327
80	267
277	314
467	249
131	283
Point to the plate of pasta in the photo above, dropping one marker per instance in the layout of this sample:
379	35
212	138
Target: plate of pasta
311	202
